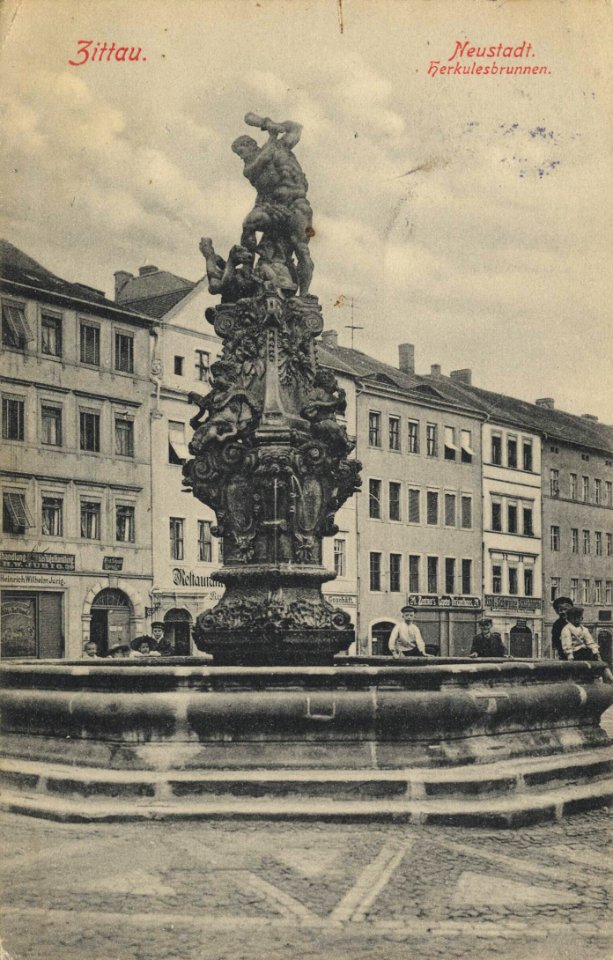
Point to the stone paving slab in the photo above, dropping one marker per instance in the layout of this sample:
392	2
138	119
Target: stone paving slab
262	891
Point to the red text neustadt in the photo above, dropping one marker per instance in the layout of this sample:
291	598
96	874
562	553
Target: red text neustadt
464	51
103	52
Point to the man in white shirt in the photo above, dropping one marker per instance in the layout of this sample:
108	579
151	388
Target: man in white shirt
406	639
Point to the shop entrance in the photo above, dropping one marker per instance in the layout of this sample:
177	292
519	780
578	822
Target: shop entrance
110	623
32	625
520	640
178	631
380	638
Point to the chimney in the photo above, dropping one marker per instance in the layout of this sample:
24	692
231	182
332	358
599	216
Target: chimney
121	278
329	338
589	416
547	402
406	357
143	271
462	376
435	370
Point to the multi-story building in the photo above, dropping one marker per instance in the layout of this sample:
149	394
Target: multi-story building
185	552
76	479
418	519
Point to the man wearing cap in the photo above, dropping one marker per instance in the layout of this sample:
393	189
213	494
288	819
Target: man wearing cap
561	605
406	639
486	643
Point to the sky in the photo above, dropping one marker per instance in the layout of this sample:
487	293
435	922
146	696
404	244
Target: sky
469	215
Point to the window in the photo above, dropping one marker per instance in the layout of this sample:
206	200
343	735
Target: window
90	520
124	437
89	430
450	509
496	515
554	590
177	448
554	483
528	582
512	453
394	433
394	501
528	527
585	489
527	454
15	515
203	365
431	440
178	366
585	591
586	541
574	590
608	597
467	567
124	352
176	538
513	581
609	544
574	540
374	499
432	574
205	542
573	486
414	511
608	493
52	516
12	418
450	445
496	579
413	574
124	524
413	436
597	591
512	517
51	335
395	577
597	491
375	571
466	443
496	449
432	507
467	512
15	329
374	429
555	539
89	344
51	426
598	543
449	575
340	563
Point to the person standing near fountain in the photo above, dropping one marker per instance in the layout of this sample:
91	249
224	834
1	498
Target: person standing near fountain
406	639
486	643
561	605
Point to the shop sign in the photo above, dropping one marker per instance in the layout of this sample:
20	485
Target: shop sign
604	616
498	602
434	601
30	560
186	578
112	563
32	579
343	599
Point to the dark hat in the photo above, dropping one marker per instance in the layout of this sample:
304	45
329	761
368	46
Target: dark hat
574	612
408	609
558	600
135	644
157	623
484	620
119	645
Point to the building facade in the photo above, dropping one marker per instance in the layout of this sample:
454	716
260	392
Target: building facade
76	556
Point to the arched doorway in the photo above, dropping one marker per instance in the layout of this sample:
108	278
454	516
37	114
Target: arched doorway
520	640
111	611
178	631
380	634
605	645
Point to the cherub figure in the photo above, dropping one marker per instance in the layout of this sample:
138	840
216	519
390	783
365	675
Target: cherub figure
326	400
230	412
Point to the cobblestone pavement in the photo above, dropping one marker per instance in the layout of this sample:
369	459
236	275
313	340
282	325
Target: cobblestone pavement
196	890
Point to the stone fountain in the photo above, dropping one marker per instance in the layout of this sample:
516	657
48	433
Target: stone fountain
275	727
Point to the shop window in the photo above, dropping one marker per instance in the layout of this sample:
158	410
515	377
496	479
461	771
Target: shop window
125	524
90	520
52	520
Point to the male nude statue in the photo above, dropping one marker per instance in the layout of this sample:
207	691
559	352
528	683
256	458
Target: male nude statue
281	208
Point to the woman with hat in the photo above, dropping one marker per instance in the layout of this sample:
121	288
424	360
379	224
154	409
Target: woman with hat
145	646
486	643
406	639
120	650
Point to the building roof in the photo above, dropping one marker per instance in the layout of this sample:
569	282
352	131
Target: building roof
150	287
22	276
160	305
